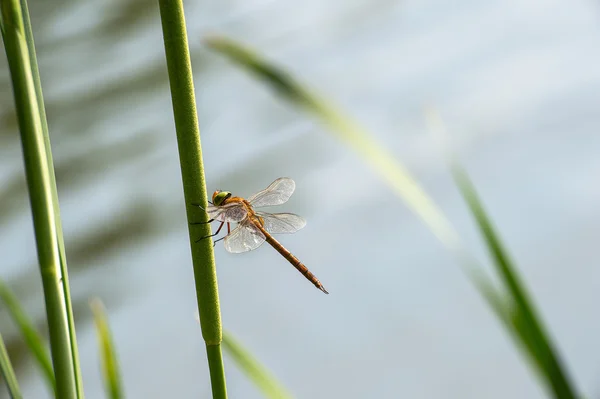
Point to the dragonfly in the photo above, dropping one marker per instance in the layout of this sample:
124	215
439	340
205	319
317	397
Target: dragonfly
254	227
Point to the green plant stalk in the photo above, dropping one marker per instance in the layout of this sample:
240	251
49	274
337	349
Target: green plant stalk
32	338
42	192
8	373
261	377
110	365
194	186
526	324
61	245
216	368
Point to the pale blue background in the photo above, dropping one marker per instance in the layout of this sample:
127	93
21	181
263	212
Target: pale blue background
518	85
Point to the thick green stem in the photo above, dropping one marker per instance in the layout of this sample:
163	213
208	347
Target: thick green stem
194	187
217	374
43	197
61	245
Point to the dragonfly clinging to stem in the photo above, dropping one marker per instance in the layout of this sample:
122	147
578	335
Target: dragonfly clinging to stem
256	227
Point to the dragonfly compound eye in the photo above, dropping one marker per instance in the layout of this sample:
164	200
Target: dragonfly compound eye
220	196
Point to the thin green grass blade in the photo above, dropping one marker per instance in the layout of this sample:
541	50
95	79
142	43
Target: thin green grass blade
525	322
35	73
43	195
359	139
350	132
498	302
108	355
394	173
8	373
32	338
194	186
261	377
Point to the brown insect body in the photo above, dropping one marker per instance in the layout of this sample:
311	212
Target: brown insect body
259	224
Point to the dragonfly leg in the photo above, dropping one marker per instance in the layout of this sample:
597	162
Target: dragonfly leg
222	238
212	235
200	206
208	221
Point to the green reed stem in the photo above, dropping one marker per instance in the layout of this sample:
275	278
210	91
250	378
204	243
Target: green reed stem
521	318
194	186
43	197
8	373
108	354
262	378
61	245
32	338
217	371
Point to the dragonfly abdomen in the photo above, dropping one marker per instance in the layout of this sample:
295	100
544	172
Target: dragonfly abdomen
293	260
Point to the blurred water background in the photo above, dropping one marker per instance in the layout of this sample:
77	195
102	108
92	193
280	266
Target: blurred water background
518	85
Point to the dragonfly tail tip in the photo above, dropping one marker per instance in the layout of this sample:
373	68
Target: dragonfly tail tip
323	289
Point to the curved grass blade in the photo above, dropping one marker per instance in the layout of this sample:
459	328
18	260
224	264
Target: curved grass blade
8	373
522	321
396	175
110	365
349	131
43	195
261	377
32	338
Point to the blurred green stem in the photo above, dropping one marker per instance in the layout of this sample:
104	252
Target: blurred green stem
8	372
194	186
43	196
520	316
108	354
32	338
268	385
347	130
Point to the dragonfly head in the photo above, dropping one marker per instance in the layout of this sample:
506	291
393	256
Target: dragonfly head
219	197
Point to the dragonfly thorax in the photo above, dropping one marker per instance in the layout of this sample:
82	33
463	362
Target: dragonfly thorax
219	197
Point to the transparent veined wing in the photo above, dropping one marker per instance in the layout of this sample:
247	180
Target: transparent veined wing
277	193
233	213
245	237
281	223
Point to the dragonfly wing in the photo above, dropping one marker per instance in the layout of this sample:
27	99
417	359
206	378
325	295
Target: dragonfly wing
277	193
233	213
245	237
280	223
